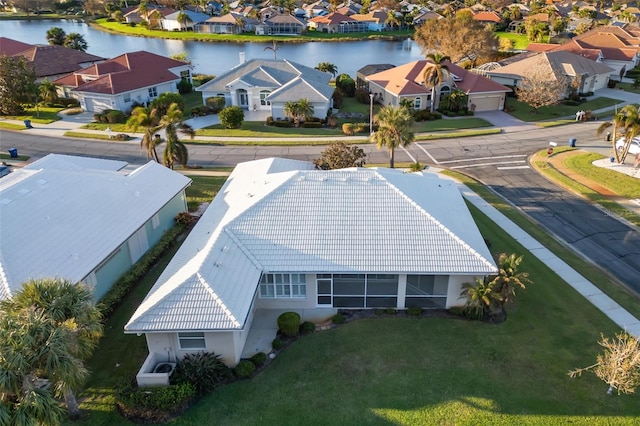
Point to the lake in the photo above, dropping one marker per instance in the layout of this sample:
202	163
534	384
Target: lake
216	58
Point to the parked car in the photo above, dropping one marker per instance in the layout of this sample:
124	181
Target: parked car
633	149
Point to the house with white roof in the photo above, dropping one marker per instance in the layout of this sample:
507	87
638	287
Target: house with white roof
267	84
82	219
281	235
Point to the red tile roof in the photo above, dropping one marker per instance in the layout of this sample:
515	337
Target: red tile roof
487	17
123	73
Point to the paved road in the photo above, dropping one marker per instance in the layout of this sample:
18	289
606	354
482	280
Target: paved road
499	161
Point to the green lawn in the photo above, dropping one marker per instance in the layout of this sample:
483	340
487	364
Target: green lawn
446	124
524	112
405	371
42	115
520	41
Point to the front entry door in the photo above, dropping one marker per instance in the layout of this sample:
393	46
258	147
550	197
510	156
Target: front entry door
243	98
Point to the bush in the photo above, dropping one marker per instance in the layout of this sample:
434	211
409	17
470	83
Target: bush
337	99
122	137
124	284
184	86
289	324
361	128
216	103
186	218
133	24
200	79
612	83
379	311
270	121
277	344
204	370
457	310
390	311
244	369
312	124
114	116
332	121
282	123
338	319
414	311
307	327
347	129
232	117
164	101
259	359
362	96
345	83
154	404
97	117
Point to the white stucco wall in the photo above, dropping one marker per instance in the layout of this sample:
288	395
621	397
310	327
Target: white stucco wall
455	288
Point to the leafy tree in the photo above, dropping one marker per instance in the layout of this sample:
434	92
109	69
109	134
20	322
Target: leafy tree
231	117
46	331
540	87
435	74
328	67
339	155
458	39
175	150
628	121
536	30
394	130
345	83
164	101
619	365
75	41
184	19
56	36
48	91
17	80
148	119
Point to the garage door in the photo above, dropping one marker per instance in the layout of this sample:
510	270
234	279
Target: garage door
487	103
98	104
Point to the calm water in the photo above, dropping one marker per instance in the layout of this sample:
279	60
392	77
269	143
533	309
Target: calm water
215	58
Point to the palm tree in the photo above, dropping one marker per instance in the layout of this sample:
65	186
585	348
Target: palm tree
628	121
435	74
183	19
148	119
241	23
56	36
75	41
481	298
394	130
143	10
273	48
392	19
509	277
48	91
328	67
53	326
175	150
292	110
305	109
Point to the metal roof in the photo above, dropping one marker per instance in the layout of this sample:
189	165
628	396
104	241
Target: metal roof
61	216
282	216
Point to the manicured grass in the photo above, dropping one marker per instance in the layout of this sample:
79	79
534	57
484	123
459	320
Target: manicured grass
138	30
191	100
460	134
42	115
594	275
524	112
450	124
405	371
520	41
628	87
115	127
259	129
277	142
4	156
11	126
203	189
619	183
85	135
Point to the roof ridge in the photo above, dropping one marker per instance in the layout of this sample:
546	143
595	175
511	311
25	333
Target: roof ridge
217	299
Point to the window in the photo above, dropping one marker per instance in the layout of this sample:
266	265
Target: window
191	341
417	103
185	75
127	98
155	221
283	286
263	97
426	291
153	92
357	290
444	91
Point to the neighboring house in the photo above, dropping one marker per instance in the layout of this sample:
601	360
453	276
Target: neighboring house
136	77
83	219
406	82
49	62
265	84
375	20
170	22
336	23
592	75
281	25
366	71
282	236
230	23
485	17
424	17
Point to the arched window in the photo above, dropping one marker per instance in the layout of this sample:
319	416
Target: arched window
263	97
444	91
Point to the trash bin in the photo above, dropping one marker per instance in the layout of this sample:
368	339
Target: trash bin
13	152
608	138
27	124
572	142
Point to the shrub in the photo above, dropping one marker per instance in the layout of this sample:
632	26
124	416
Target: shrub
289	324
154	404
216	103
390	311
185	218
347	129
362	96
122	137
244	369
338	319
360	127
184	86
277	344
282	123
164	101
345	83
200	79
204	370
612	83
414	311
232	117
457	310
332	121
259	359
270	121
337	99
124	284
97	117
307	327
379	311
312	124
133	24
115	116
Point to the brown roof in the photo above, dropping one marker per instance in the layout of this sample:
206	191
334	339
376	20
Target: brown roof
540	17
331	19
407	79
560	63
610	36
123	73
10	47
487	17
540	47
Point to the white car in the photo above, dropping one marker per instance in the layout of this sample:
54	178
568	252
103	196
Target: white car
634	149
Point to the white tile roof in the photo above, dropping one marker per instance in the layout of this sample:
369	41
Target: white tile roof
282	216
61	216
